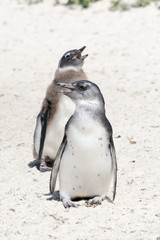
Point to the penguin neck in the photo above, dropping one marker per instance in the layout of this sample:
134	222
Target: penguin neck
94	109
68	68
69	75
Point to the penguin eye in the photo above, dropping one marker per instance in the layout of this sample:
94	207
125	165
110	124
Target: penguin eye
67	55
82	87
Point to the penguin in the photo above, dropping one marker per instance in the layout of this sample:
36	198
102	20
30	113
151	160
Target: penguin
56	110
86	159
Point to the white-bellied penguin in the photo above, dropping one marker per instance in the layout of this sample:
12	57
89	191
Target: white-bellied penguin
86	159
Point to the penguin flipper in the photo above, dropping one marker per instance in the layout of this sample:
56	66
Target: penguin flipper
37	136
114	164
56	164
44	122
40	132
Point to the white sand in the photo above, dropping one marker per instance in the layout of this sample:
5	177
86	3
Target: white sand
124	60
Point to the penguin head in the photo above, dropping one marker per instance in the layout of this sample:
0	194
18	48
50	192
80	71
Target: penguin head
72	58
82	91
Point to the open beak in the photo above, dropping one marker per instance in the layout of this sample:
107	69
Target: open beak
78	54
65	85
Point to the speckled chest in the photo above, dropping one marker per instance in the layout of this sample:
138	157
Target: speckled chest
86	165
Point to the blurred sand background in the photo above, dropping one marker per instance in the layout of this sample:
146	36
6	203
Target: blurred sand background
124	60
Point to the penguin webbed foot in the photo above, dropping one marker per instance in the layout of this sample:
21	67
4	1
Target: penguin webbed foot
67	203
34	163
95	201
42	167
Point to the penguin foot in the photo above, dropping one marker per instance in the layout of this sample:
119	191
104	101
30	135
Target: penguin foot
43	166
34	163
67	203
96	200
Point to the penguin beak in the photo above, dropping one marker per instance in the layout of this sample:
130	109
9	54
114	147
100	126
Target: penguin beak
81	49
79	53
65	85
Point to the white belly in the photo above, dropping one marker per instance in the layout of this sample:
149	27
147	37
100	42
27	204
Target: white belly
55	128
86	166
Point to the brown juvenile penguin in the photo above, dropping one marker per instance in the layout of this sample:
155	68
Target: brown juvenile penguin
56	110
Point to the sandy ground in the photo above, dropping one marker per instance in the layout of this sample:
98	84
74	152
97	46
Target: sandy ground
124	58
